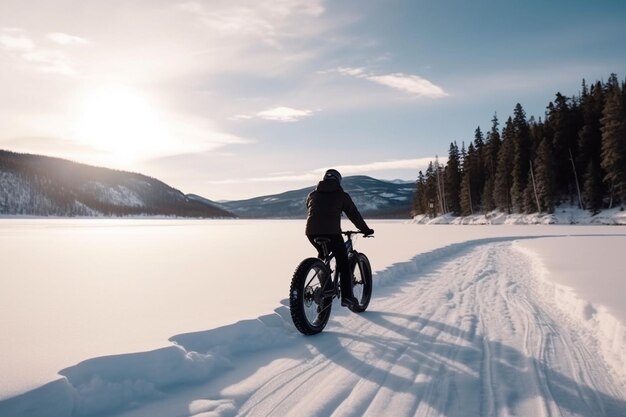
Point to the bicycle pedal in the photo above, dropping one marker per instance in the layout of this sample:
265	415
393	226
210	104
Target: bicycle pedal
349	302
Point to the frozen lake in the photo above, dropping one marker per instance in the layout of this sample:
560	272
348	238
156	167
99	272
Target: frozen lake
77	289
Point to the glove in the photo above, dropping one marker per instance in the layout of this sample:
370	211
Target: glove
368	232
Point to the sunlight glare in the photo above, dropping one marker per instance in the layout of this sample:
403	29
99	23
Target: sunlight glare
117	120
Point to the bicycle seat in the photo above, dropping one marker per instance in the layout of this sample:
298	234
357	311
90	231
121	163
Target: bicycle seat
321	240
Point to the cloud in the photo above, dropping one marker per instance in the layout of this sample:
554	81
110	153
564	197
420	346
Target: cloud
407	83
50	61
201	135
21	46
267	21
15	40
414	165
278	114
306	177
355	72
411	84
284	114
65	39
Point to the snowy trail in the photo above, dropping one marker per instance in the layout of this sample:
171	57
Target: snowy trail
472	334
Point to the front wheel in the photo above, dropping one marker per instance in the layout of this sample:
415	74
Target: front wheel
310	308
361	283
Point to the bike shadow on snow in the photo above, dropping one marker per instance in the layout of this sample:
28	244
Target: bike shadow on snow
470	376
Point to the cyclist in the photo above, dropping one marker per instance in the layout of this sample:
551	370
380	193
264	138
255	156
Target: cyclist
325	205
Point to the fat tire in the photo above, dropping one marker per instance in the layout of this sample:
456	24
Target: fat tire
299	297
364	278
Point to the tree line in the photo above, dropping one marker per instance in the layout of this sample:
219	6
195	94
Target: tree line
575	155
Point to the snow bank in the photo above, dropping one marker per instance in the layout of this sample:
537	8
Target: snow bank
113	383
597	321
562	215
242	337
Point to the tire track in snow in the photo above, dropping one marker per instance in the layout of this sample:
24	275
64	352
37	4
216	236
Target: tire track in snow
472	336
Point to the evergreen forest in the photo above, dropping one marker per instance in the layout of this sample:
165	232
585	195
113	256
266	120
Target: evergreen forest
576	155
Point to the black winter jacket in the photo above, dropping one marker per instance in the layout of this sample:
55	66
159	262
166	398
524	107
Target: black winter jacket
325	205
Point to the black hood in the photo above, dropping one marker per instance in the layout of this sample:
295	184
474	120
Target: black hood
328	186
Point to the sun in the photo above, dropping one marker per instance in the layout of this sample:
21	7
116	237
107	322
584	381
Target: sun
118	121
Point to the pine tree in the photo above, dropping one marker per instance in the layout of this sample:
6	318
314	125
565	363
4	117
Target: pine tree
521	158
614	143
590	146
477	167
530	199
466	196
504	179
463	156
544	177
420	205
564	141
441	188
488	202
612	85
492	146
430	194
490	162
593	188
453	179
537	134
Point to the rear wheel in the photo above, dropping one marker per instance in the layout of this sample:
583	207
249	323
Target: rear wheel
361	283
310	309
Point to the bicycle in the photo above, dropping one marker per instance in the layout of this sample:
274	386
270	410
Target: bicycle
312	292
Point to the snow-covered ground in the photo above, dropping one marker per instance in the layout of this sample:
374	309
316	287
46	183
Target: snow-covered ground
562	215
465	320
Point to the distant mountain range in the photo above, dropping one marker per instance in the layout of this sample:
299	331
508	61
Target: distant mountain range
36	185
374	199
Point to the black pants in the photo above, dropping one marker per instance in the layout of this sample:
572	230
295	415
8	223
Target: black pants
338	248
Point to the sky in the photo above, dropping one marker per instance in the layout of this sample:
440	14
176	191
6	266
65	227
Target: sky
233	99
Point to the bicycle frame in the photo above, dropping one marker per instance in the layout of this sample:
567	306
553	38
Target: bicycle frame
328	257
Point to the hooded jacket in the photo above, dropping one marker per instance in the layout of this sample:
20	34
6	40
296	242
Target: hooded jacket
325	205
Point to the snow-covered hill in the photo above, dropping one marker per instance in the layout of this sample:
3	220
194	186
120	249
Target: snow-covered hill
35	185
374	199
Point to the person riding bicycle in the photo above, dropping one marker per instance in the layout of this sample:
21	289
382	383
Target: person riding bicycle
325	205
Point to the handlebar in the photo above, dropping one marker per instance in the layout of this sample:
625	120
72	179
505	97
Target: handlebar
349	233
